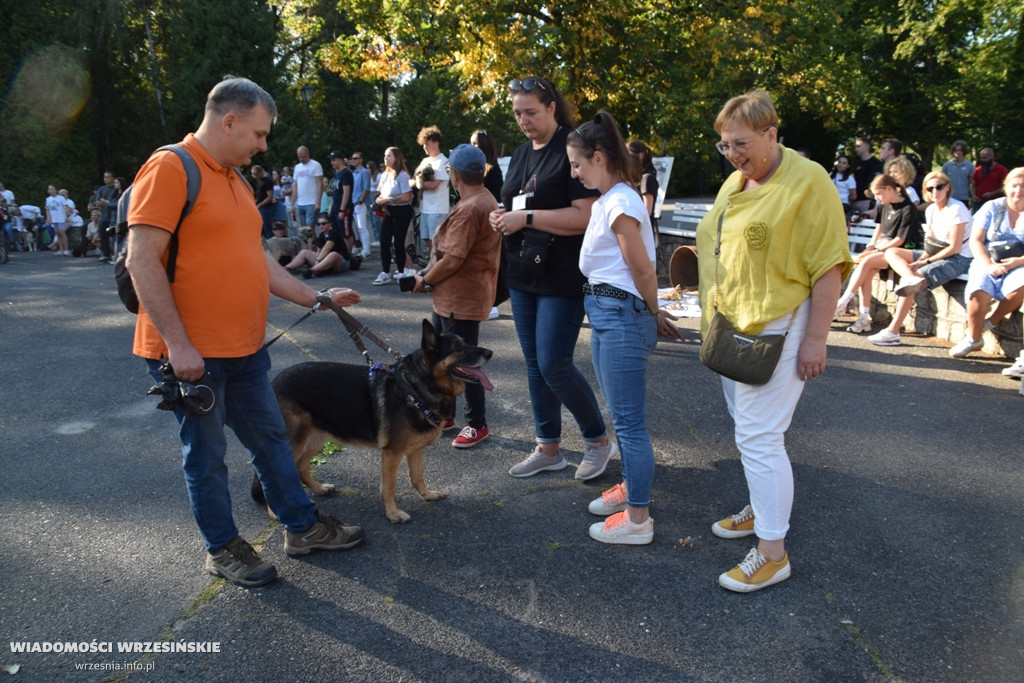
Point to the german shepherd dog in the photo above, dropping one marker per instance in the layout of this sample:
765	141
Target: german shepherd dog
400	410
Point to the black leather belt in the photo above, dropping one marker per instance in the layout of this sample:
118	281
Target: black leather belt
604	290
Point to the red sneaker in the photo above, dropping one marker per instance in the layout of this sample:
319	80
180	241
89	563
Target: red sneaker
470	436
449	425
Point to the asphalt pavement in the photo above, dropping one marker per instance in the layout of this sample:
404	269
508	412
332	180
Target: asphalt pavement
906	543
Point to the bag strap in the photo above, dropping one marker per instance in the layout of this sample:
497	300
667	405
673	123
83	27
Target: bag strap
193	183
718	250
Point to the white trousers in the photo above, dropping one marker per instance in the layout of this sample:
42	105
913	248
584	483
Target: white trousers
362	221
761	415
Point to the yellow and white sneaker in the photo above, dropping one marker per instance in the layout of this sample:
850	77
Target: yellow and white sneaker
754	573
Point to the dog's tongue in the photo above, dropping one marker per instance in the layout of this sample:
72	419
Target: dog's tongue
480	376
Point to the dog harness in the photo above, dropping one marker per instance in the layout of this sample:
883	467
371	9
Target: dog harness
424	410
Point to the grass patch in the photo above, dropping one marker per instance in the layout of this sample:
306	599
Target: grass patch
329	450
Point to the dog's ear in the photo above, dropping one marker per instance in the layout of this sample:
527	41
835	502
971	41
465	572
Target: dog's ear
429	341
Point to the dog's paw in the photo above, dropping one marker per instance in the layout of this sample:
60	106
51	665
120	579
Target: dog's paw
399	516
325	490
433	495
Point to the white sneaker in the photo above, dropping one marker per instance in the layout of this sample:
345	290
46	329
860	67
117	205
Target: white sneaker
885	338
619	528
494	314
863	324
408	272
965	346
1016	371
910	286
382	278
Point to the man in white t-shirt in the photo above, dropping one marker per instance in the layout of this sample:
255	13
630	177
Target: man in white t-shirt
432	180
307	187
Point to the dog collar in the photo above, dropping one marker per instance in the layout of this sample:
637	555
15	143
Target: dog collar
425	411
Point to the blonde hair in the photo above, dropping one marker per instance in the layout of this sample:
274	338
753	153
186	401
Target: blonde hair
902	170
1011	176
753	108
935	175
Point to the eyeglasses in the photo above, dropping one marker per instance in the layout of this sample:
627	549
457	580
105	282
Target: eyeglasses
740	146
322	223
526	85
936	187
357	158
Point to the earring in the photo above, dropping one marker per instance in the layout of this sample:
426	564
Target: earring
764	160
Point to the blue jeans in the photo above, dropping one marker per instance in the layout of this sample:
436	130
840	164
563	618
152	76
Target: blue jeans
623	334
548	327
245	403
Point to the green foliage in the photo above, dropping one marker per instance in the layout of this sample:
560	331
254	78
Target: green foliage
129	75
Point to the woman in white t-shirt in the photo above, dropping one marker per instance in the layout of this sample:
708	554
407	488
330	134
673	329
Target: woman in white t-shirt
846	185
621	301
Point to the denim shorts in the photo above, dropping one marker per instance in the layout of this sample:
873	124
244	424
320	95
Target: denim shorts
429	223
940	272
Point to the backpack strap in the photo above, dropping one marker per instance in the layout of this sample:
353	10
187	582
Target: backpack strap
193	182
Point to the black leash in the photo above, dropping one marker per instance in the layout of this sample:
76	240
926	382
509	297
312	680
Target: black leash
354	327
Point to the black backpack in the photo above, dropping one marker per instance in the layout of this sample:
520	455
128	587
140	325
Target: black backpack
125	288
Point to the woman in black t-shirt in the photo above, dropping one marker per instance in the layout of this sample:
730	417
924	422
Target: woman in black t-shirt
899	226
544	214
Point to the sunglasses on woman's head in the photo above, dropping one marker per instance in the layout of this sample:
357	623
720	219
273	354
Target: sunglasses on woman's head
936	186
525	85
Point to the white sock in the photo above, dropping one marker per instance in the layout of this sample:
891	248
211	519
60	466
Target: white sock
865	311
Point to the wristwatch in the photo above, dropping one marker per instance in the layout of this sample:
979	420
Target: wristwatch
529	218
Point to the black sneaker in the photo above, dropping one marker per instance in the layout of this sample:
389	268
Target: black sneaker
327	534
238	563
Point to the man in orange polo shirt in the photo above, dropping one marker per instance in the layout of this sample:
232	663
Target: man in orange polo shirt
210	323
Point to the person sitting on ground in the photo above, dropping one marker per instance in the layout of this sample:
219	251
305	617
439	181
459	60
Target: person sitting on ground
948	221
996	221
332	255
91	239
900	227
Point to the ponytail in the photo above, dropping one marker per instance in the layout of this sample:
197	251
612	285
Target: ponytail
602	133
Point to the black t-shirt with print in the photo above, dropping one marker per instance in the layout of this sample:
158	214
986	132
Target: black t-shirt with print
546	173
338	242
902	220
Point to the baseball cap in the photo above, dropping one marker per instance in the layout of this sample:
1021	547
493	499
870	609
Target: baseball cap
468	159
335	155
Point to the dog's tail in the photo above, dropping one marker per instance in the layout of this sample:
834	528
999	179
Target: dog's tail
257	490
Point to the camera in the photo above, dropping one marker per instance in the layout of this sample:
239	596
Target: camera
406	284
194	398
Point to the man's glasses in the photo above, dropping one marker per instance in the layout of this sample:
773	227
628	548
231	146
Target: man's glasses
936	187
526	85
740	146
322	223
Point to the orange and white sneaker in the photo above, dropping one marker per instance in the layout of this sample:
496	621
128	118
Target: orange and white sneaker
735	526
619	528
611	501
754	573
